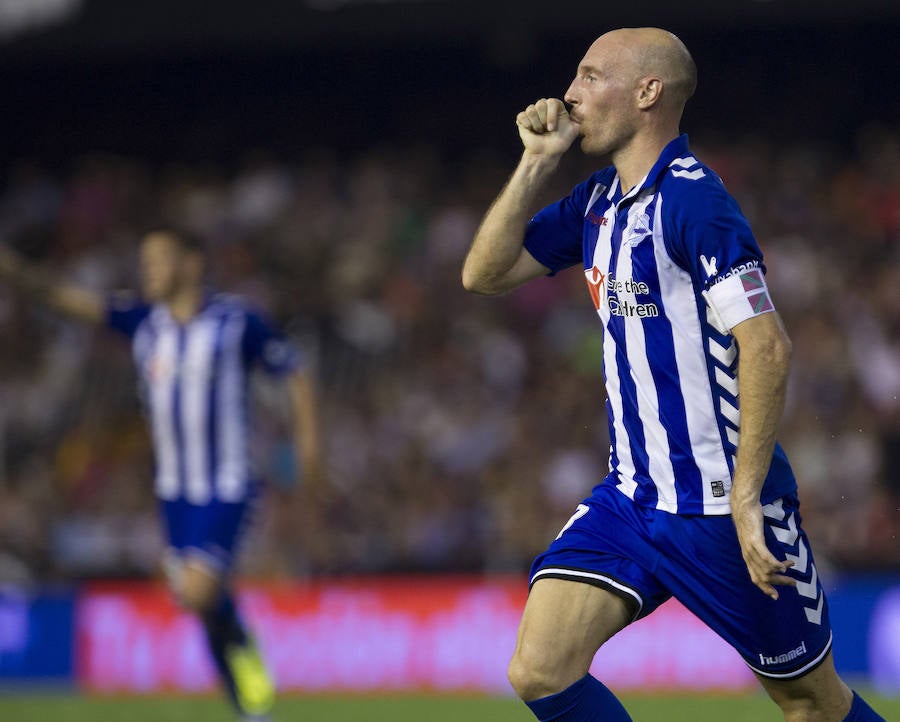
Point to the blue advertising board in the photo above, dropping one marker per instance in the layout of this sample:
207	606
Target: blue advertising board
36	635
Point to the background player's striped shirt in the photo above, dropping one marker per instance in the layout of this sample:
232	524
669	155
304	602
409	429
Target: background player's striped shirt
671	268
194	379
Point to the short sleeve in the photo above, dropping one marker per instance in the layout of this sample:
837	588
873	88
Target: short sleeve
713	242
554	237
125	312
265	345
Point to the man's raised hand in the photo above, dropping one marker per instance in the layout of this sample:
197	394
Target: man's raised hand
546	128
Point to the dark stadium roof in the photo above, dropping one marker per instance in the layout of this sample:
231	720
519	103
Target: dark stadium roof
129	27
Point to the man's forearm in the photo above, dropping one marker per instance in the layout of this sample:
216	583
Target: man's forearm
762	383
497	247
71	300
305	419
23	276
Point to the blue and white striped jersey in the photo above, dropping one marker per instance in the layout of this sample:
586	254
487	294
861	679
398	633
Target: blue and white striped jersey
194	378
671	267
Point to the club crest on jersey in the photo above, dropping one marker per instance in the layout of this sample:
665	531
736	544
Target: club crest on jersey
639	230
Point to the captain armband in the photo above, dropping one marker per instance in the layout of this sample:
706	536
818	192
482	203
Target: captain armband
737	298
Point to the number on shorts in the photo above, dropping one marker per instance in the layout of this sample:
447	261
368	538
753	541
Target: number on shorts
579	512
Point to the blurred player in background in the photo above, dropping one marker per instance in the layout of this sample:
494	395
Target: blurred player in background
194	352
700	502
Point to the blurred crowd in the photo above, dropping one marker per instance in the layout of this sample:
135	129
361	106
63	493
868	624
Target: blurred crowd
461	431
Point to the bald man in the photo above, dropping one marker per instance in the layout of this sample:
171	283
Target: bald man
700	502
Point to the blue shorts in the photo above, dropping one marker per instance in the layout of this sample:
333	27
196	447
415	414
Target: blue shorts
210	532
646	556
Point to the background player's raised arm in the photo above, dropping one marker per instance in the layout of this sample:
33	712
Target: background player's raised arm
497	262
304	408
74	301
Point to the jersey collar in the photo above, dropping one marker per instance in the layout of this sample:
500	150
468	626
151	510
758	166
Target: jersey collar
674	149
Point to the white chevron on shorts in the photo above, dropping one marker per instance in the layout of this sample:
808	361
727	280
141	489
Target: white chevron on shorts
801	560
809	589
789	537
775	510
814	616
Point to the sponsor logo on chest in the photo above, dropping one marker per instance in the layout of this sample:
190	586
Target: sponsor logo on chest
614	294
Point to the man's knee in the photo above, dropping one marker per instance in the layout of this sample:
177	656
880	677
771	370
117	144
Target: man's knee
820	696
196	587
812	708
798	709
200	596
532	678
564	624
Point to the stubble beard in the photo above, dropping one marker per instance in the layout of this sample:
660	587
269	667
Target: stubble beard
596	148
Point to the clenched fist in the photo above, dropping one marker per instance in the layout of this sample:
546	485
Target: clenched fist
546	128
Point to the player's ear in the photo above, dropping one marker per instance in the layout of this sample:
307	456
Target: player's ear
649	92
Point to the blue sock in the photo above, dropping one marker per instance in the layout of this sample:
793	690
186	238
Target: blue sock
861	712
223	628
585	701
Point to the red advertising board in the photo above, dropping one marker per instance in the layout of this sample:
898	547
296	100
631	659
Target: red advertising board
385	634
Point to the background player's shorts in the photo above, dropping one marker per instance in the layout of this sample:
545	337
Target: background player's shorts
645	556
210	532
